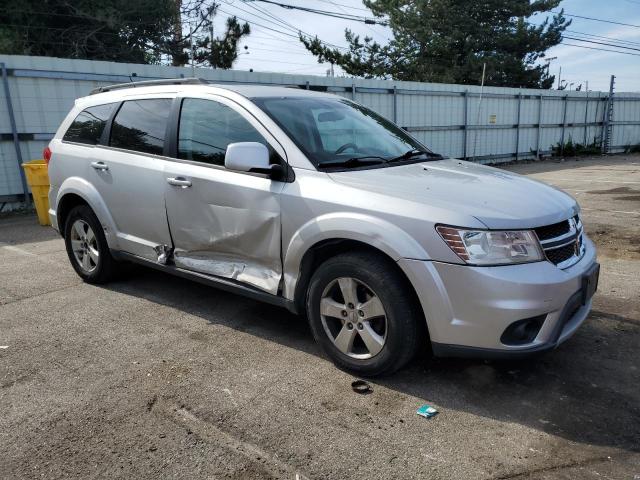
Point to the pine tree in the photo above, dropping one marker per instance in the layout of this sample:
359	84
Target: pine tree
449	41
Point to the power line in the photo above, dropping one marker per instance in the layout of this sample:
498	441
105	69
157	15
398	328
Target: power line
274	17
282	23
278	61
598	20
344	16
263	26
619	40
307	53
285	24
601	43
345	6
276	30
368	27
602	49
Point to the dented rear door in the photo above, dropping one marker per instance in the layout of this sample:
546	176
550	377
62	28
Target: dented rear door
222	222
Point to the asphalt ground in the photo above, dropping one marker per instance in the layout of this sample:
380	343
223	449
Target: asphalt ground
157	377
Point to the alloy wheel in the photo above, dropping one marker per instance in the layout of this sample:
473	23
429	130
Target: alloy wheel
353	318
84	245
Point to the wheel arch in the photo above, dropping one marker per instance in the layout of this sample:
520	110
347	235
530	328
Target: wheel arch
328	248
348	229
76	191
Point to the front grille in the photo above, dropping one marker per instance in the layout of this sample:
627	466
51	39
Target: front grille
561	241
552	231
559	255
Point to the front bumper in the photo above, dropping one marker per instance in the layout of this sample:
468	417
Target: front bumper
468	308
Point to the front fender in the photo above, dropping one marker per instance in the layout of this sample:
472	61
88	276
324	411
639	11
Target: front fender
89	193
380	234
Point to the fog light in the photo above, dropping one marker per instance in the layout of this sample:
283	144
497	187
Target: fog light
523	331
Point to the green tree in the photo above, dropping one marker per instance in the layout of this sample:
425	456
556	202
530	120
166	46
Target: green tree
450	40
118	30
221	52
140	31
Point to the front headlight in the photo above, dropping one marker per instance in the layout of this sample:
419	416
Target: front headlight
488	247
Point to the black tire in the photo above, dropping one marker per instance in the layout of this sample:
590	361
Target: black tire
106	268
404	332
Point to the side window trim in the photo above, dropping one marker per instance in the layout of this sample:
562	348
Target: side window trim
173	129
106	133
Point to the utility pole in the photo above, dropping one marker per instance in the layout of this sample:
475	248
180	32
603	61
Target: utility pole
193	66
475	136
548	62
608	117
559	75
177	35
212	16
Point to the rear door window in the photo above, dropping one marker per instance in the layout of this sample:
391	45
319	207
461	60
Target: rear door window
140	125
207	127
88	126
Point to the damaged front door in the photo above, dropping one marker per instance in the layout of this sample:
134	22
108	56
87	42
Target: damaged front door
222	222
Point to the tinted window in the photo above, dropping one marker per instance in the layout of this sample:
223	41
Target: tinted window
89	124
207	127
140	125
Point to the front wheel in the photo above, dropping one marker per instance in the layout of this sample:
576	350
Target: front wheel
362	313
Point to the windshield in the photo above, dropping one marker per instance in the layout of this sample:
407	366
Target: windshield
334	132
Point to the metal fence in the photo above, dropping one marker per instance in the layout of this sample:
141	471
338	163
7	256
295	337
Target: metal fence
488	126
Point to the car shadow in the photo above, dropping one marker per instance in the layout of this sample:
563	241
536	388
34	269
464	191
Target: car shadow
581	391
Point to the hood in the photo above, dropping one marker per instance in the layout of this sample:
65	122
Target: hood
497	198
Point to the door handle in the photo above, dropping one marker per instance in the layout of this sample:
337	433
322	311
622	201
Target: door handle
99	165
179	182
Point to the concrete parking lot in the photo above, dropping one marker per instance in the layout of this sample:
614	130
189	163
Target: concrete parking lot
157	377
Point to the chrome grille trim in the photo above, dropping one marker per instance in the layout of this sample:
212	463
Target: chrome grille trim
573	236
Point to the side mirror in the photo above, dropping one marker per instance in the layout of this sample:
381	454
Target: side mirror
250	157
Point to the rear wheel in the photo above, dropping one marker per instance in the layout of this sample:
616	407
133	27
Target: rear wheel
362	313
87	246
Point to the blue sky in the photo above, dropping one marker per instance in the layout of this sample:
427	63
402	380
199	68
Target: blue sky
277	52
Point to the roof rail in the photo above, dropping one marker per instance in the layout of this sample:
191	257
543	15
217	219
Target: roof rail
150	83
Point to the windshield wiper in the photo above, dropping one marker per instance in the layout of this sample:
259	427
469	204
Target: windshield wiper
353	162
416	153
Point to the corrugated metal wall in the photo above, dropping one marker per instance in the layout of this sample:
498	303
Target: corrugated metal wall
506	123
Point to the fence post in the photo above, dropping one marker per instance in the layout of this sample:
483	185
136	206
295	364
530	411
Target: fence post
538	140
564	123
395	104
586	118
353	91
14	132
465	95
518	124
608	116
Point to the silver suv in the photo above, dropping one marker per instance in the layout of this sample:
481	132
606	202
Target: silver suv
315	203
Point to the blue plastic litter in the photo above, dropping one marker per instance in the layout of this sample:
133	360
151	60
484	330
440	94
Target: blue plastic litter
427	411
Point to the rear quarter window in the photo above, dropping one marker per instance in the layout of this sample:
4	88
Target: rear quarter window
88	126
